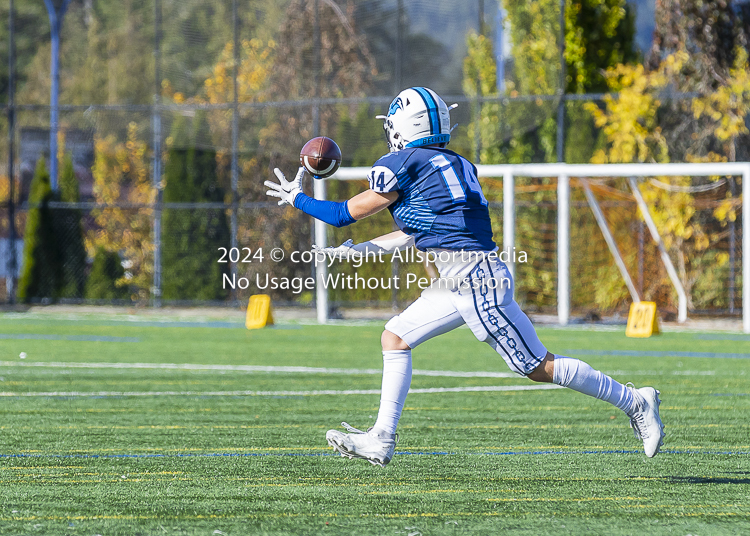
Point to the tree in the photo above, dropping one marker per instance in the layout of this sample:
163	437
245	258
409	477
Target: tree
480	80
599	34
31	15
630	122
69	232
40	271
122	175
711	34
103	282
191	237
346	69
629	118
728	106
710	31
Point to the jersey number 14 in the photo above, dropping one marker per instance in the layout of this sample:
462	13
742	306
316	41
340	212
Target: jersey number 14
454	184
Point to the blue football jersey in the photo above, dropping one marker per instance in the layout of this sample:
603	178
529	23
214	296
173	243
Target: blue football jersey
440	201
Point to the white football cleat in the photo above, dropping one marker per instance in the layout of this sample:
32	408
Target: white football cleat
375	448
645	421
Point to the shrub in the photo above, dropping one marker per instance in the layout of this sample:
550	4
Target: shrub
105	273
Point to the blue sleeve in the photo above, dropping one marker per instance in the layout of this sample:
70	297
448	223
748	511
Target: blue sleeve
332	212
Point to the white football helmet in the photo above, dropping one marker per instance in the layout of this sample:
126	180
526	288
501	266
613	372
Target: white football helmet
417	117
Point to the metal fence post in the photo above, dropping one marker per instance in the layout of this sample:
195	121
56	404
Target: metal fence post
10	281
157	168
563	88
55	21
746	250
235	134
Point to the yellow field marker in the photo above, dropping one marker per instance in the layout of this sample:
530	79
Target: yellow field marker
642	321
259	313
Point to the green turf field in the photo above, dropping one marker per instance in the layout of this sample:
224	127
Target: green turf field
92	444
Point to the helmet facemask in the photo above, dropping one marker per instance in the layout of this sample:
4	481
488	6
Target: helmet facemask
393	138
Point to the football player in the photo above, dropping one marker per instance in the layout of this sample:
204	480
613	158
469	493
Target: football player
437	202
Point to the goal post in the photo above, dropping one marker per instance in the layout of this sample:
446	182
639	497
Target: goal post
565	172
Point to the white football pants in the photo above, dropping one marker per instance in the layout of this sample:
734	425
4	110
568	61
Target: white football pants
484	301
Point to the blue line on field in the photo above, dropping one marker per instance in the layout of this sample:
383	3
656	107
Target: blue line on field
192	324
653	353
320	454
228	325
84	338
721	337
180	324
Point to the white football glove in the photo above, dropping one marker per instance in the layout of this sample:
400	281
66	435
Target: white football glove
344	251
286	191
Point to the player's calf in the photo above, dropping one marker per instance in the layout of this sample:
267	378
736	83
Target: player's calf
641	405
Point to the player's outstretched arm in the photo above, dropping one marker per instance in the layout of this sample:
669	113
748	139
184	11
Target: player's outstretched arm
370	202
338	214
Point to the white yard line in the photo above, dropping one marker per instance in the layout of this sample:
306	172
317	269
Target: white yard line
252	368
320	370
482	389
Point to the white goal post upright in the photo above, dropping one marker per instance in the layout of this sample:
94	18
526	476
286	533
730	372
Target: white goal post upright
567	171
563	248
321	268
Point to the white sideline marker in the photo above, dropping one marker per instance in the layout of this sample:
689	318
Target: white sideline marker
266	369
254	368
479	389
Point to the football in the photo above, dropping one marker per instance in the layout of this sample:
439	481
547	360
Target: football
321	157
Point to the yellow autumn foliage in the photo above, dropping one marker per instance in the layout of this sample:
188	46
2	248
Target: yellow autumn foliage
629	121
122	175
256	62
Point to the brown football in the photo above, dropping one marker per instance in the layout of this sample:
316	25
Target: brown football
321	157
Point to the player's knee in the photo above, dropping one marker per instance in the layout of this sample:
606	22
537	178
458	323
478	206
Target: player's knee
390	341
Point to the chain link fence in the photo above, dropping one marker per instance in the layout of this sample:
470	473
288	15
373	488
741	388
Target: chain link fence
173	113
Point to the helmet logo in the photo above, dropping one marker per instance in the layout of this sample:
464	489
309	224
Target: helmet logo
395	105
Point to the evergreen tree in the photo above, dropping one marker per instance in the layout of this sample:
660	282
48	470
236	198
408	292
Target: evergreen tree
191	237
102	281
598	34
40	271
69	234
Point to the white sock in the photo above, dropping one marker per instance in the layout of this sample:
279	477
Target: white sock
579	376
396	382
